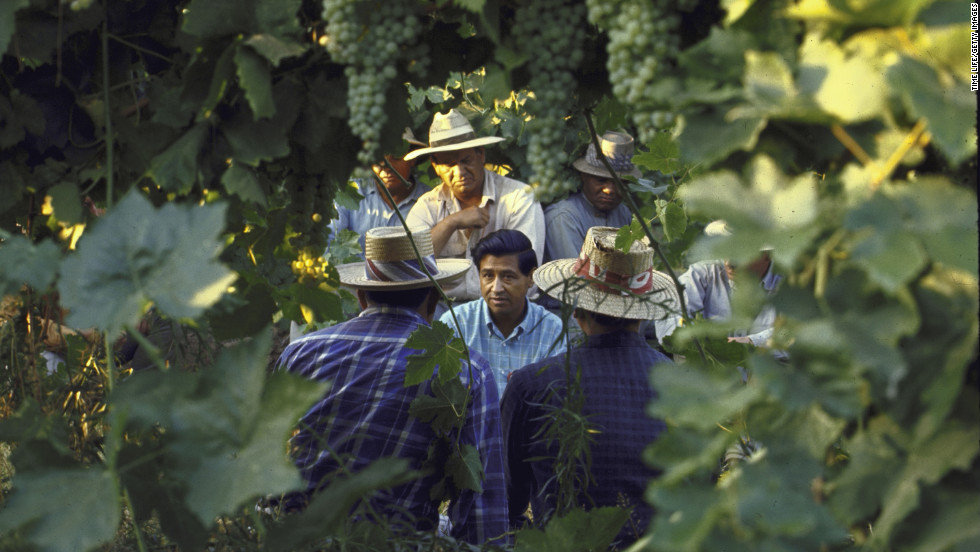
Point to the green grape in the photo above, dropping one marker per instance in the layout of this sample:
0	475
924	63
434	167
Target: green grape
371	37
553	33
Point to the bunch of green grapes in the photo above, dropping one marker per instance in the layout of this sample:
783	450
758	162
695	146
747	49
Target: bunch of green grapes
370	37
552	33
310	267
310	205
644	41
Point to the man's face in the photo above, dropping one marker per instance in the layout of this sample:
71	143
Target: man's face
601	192
461	171
503	286
391	179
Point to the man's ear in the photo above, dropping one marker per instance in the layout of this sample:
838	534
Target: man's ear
430	304
362	299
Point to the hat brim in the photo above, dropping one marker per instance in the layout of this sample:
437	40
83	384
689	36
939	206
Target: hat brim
558	280
474	143
581	165
352	275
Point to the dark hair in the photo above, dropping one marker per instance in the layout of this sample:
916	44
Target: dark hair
407	298
611	322
507	242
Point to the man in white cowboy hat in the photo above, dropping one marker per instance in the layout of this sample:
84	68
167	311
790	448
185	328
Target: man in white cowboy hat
612	291
364	414
598	203
375	209
472	201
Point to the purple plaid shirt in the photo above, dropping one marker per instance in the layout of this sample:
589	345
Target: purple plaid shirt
616	370
364	417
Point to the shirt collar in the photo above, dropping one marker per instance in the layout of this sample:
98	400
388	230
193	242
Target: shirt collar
521	328
616	338
392	311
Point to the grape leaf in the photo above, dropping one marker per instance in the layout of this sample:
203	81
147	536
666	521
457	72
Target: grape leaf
240	180
255	79
8	20
441	350
274	48
466	470
175	169
65	202
576	530
23	262
136	255
445	409
663	155
66	509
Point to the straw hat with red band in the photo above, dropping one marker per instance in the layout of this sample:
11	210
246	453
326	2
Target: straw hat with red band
608	281
450	132
390	263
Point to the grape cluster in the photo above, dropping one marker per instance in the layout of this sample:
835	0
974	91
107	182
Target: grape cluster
310	267
310	204
552	34
370	37
644	41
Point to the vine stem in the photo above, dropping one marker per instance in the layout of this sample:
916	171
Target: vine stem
635	209
107	115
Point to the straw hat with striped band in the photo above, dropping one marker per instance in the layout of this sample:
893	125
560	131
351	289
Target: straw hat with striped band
390	263
608	281
617	147
451	132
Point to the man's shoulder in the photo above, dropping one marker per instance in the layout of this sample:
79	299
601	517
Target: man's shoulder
567	207
543	318
465	312
506	185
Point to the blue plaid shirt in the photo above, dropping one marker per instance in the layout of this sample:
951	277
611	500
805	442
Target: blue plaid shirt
537	337
364	417
615	379
372	211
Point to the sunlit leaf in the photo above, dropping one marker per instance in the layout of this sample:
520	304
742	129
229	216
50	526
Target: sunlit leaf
273	48
137	255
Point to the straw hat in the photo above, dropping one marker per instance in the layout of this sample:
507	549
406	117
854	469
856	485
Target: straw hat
390	263
618	149
608	281
451	132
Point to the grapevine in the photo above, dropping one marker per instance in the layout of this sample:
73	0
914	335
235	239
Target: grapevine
310	266
552	33
644	40
370	37
311	203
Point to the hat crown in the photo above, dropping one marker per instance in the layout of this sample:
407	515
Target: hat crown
451	128
392	243
601	253
617	147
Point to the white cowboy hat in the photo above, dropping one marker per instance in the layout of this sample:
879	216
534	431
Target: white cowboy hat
608	281
618	149
451	132
390	263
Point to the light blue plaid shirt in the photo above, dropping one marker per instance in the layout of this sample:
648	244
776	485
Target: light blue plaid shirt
537	337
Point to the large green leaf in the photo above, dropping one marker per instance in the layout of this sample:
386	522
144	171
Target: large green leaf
217	18
851	88
63	509
699	398
22	262
176	168
439	349
949	107
274	48
578	530
330	509
709	137
7	20
136	255
256	80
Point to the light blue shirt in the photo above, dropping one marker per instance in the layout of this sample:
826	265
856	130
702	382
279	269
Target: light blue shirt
373	212
536	338
707	290
567	222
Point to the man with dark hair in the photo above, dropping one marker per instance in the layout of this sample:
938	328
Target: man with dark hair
472	201
364	414
612	291
503	325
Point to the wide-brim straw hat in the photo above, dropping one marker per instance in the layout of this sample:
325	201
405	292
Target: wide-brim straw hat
608	281
618	149
451	132
390	263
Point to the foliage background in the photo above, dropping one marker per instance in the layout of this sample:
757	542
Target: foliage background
840	132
